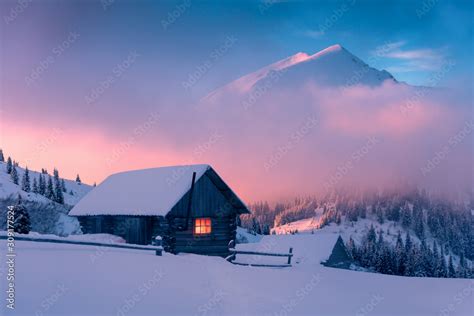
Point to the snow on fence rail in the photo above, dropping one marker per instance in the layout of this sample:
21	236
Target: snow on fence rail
158	249
234	252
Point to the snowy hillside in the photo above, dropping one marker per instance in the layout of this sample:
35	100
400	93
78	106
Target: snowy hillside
333	66
8	189
106	281
47	216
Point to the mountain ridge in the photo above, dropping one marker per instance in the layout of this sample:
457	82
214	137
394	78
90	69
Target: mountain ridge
332	66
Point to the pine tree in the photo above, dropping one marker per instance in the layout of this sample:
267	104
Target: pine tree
21	218
418	220
49	189
400	255
14	175
451	271
25	181
443	267
405	215
63	185
35	188
462	269
435	261
42	185
78	179
58	193
2	158
9	165
58	190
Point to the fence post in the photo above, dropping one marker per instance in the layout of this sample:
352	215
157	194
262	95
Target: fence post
158	242
289	257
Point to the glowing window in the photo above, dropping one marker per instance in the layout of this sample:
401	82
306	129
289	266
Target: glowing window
202	226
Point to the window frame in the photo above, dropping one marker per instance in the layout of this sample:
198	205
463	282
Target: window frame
200	234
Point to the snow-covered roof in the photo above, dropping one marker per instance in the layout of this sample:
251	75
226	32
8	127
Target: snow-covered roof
140	192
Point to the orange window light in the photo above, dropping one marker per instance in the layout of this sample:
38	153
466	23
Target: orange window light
202	226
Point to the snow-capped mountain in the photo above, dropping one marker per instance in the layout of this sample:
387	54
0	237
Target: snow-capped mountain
333	66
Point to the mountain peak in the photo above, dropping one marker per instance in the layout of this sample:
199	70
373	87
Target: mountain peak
333	66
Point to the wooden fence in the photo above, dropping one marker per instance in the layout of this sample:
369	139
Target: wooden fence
158	248
235	252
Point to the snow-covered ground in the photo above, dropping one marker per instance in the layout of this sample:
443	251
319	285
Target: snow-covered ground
57	279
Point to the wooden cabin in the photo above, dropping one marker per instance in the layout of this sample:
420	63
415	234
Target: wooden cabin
190	207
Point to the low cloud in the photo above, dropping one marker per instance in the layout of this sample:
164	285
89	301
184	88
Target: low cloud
407	138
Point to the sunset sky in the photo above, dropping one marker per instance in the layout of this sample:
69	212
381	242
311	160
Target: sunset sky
96	87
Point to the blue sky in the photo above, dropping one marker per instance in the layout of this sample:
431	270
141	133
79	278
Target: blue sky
428	33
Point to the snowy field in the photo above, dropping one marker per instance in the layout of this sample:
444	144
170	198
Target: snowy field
55	279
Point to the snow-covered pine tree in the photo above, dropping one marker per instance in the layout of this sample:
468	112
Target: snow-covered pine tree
451	271
14	175
405	215
418	222
435	261
400	256
58	190
25	181
21	218
2	158
9	165
442	266
35	188
63	185
50	189
41	185
78	179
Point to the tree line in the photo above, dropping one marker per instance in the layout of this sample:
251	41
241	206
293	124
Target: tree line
406	257
52	188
